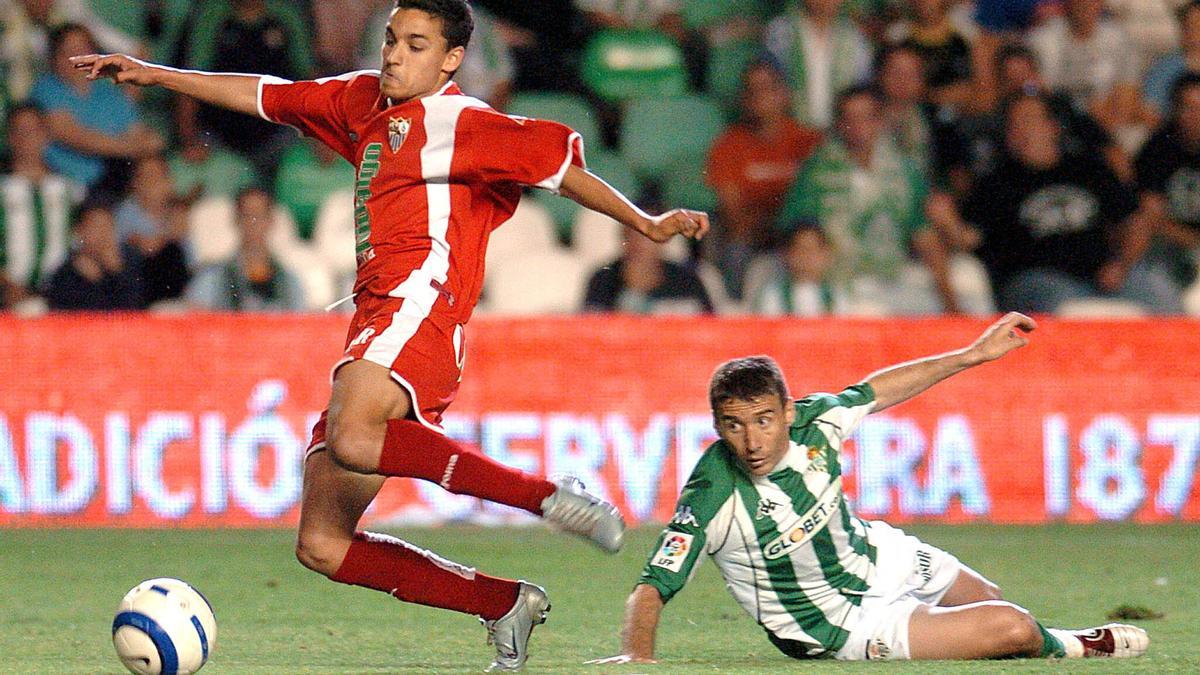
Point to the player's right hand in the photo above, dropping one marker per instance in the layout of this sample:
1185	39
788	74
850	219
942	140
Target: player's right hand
619	660
119	68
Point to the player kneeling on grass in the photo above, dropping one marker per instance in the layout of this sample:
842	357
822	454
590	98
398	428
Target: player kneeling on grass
766	502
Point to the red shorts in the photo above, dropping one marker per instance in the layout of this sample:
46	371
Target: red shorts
424	352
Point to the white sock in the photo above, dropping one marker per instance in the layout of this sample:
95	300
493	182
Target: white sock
1071	644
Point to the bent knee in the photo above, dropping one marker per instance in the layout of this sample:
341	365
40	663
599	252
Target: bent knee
353	450
321	553
1015	631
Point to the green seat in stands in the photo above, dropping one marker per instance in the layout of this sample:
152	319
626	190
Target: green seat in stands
609	166
304	181
660	133
625	64
725	67
569	109
702	14
683	186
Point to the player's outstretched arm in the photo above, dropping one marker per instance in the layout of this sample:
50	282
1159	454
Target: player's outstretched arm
591	192
642	610
227	90
901	382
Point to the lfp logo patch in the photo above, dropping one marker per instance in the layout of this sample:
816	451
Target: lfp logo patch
674	551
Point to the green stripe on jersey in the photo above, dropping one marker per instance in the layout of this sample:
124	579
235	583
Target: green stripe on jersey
39	236
783	579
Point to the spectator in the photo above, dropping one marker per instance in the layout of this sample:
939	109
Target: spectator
920	131
869	200
35	209
89	121
945	52
24	37
1091	59
309	173
100	274
1000	22
204	168
343	29
246	36
545	37
798	283
1168	178
153	221
1056	227
750	167
252	280
1018	73
1151	26
823	52
1163	73
641	281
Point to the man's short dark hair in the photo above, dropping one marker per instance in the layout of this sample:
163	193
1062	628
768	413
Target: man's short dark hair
60	32
745	379
457	19
1015	50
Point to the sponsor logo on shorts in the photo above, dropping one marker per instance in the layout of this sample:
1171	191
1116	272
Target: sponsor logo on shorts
878	649
674	551
363	338
925	564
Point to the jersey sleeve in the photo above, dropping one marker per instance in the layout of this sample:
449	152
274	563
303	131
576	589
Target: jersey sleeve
317	108
837	415
497	148
681	545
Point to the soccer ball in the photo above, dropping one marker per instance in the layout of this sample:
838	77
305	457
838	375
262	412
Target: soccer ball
164	626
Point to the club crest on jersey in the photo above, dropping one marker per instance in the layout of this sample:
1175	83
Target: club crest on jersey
398	128
765	507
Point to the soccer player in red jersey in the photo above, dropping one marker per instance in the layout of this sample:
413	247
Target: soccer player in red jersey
437	172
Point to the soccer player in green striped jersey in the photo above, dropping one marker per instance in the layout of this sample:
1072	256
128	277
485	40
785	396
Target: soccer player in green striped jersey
766	503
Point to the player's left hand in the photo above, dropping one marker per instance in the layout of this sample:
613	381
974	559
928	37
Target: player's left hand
1003	336
619	660
691	224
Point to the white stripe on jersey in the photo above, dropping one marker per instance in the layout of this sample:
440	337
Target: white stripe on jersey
18	208
418	290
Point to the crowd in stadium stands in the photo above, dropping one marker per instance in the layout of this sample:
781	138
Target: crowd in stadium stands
859	157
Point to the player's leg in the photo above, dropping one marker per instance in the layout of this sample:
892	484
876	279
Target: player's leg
368	433
981	630
968	587
334	500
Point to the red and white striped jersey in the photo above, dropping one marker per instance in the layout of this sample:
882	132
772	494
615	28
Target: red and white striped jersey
435	176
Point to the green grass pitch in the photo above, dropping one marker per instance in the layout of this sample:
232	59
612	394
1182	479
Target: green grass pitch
58	590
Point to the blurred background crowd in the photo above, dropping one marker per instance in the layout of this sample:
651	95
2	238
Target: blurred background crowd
859	157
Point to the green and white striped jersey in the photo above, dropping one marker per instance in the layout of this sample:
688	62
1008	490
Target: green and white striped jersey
790	550
35	219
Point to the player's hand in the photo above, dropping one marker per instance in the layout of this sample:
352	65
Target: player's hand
1003	336
691	224
119	68
619	660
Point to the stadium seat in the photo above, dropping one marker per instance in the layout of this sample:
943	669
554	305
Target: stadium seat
550	282
714	285
970	281
1191	299
528	234
725	67
597	238
626	64
569	109
1100	308
683	187
211	231
702	14
124	15
333	240
661	133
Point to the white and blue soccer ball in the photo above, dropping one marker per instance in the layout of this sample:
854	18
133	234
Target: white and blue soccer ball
164	627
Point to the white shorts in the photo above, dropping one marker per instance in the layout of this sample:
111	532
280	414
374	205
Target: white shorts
908	574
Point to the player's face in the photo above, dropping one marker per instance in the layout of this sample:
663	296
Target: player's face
757	430
417	60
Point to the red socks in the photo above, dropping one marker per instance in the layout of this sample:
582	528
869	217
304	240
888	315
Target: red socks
415	575
411	450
